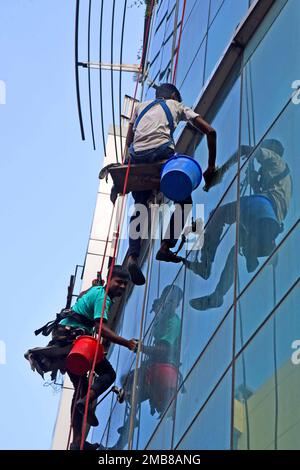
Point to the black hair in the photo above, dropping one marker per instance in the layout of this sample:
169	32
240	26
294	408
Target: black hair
273	144
166	90
119	271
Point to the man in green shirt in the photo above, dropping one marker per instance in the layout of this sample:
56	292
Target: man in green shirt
85	315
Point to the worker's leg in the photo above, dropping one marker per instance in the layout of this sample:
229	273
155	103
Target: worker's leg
140	197
104	379
135	232
176	225
105	376
80	388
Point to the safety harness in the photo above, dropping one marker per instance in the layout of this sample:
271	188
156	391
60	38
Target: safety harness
167	111
48	328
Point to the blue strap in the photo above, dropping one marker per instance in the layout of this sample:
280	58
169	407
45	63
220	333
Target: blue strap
166	109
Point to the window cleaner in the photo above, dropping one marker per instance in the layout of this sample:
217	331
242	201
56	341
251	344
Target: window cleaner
69	325
150	140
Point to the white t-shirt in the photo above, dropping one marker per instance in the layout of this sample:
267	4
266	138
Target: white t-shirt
153	129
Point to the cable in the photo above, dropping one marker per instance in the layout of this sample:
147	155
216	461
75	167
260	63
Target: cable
112	75
89	74
120	76
100	77
179	43
76	71
91	374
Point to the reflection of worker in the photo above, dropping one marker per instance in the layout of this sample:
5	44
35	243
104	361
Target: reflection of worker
150	138
84	316
261	217
157	375
159	370
163	355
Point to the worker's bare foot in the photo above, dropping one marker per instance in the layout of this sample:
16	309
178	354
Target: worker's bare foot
91	417
165	254
206	302
135	271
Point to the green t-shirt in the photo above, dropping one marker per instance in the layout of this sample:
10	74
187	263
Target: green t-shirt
89	305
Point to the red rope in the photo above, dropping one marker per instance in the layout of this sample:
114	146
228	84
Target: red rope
91	374
179	43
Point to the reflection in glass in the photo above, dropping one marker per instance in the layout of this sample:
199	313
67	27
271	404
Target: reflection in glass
266	191
162	439
276	278
224	117
203	377
158	371
266	93
207	297
211	428
221	31
267	403
195	27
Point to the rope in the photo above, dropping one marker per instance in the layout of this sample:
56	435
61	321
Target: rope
179	43
91	374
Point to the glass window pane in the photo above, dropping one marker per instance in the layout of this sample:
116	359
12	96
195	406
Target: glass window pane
224	117
211	429
274	281
267	400
119	422
194	75
203	377
221	31
266	93
162	439
194	30
158	370
214	9
209	282
269	191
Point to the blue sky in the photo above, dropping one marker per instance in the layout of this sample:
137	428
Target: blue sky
48	187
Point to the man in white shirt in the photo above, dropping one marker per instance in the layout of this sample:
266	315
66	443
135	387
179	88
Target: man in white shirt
149	139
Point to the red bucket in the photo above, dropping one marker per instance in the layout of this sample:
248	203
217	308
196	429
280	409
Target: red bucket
81	356
163	376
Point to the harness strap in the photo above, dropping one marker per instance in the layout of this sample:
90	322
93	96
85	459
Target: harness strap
65	313
166	109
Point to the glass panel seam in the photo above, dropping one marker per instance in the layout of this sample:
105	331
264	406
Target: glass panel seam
204	404
273	312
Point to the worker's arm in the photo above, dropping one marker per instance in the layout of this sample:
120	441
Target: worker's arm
130	135
109	334
211	137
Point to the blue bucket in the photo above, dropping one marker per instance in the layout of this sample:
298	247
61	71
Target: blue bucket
180	176
255	208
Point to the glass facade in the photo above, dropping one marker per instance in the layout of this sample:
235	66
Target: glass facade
216	368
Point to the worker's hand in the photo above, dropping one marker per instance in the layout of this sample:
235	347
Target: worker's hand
132	344
209	174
